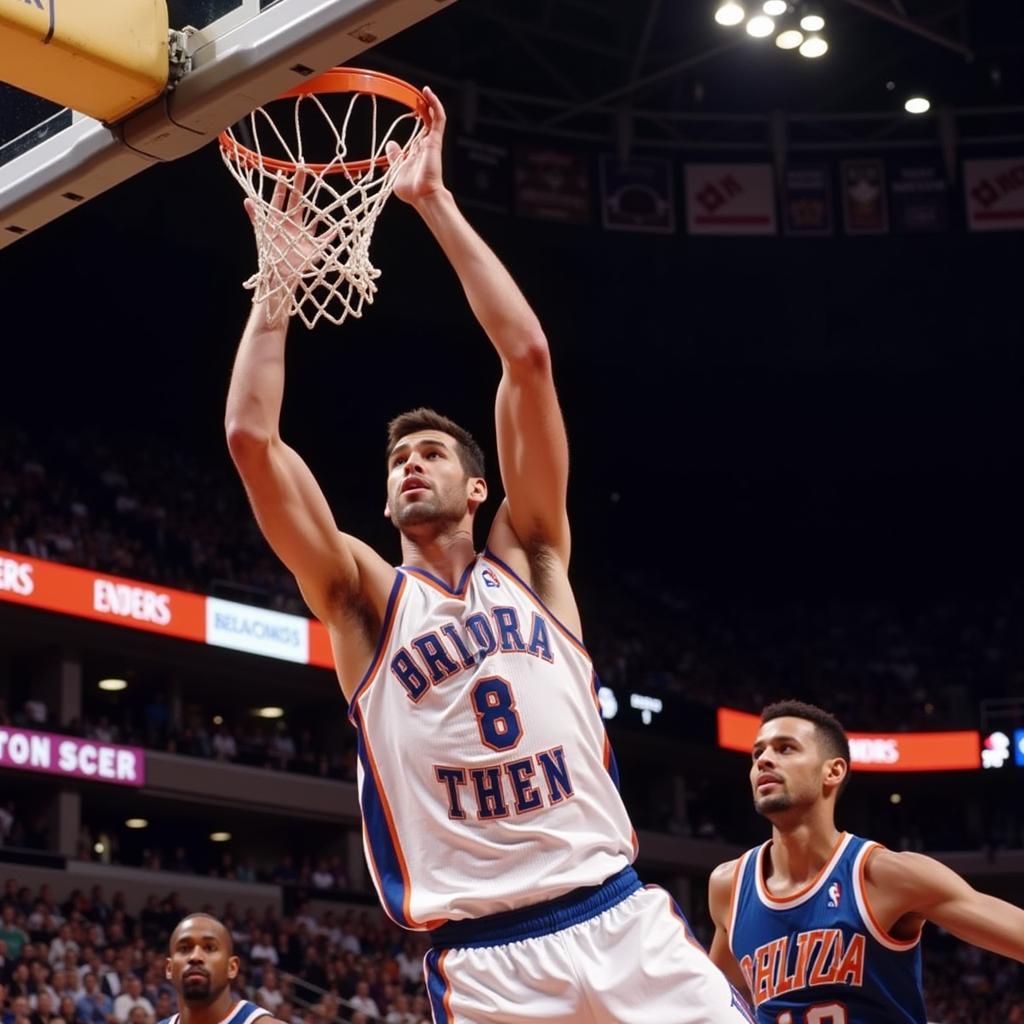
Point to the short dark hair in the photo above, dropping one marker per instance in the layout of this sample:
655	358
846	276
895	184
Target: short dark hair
830	732
470	454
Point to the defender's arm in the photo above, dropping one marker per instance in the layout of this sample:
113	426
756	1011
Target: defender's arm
720	897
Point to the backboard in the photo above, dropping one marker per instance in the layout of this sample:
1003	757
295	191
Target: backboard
238	54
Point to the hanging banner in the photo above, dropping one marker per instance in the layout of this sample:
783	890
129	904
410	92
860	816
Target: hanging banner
920	197
483	174
807	201
53	754
874	751
730	199
865	211
553	185
636	195
995	194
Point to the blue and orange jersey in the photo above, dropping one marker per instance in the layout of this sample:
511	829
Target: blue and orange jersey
820	956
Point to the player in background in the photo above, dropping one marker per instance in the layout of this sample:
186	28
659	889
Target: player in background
824	927
201	964
491	811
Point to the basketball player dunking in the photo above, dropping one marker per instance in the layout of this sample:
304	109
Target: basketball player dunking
490	810
823	927
201	964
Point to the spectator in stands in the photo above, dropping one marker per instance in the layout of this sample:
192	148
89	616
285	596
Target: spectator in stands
362	1000
11	933
94	1006
131	998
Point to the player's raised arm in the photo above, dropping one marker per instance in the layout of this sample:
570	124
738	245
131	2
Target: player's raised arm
720	895
289	504
911	884
532	448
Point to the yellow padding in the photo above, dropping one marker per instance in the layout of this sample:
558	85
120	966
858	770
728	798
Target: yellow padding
104	58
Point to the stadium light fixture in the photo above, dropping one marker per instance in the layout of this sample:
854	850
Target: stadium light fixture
789	39
220	837
760	26
813	47
113	685
896	798
811	19
730	13
268	712
917	105
775	8
136	823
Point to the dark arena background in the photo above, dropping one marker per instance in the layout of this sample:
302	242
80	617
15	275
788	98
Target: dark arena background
787	323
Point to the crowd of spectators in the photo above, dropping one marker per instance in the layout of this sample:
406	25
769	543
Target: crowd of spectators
88	960
152	513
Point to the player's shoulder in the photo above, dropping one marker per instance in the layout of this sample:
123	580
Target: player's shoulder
721	883
895	870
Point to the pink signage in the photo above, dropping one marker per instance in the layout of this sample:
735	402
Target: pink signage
30	751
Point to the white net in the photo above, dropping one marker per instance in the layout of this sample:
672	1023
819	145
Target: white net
314	221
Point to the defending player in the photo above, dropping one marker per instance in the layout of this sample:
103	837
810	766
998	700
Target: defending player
823	927
490	810
201	965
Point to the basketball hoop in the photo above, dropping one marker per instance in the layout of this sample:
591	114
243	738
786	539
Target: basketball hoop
314	254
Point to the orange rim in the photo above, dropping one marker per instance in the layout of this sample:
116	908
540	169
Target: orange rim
373	83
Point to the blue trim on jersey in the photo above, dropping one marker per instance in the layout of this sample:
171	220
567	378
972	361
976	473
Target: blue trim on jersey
437	987
540	919
505	567
382	846
385	627
241	1011
460	588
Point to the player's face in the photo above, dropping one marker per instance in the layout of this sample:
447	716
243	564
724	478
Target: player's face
200	966
426	481
787	767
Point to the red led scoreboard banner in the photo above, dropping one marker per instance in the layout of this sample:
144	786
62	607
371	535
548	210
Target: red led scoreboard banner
86	594
874	752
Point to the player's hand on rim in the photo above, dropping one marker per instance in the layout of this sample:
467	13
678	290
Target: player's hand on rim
421	176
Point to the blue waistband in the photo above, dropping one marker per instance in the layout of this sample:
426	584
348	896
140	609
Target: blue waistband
541	918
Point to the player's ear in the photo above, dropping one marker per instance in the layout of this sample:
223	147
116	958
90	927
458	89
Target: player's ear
167	968
233	965
477	491
836	770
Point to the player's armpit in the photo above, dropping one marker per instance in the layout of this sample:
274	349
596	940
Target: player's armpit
925	887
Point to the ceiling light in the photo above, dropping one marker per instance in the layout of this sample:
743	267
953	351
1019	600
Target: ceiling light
218	719
98	848
760	26
136	823
813	46
790	39
220	837
895	798
812	22
917	105
730	13
113	685
269	712
775	7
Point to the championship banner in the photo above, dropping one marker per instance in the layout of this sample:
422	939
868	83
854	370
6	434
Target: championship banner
865	211
995	194
920	198
636	195
51	754
483	174
85	594
553	185
874	752
730	199
807	201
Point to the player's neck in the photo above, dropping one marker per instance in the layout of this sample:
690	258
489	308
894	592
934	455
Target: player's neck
443	555
220	1009
801	848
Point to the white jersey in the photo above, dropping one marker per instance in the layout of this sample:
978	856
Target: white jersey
486	779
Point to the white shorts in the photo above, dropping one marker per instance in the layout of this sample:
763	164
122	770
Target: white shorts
616	954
